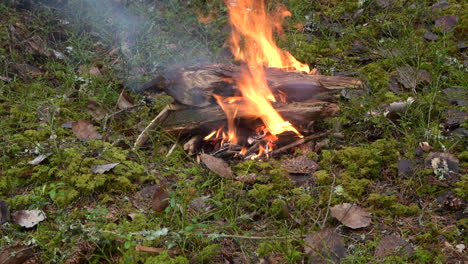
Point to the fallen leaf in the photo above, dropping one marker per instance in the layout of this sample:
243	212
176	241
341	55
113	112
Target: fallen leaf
99	169
4	215
441	5
410	79
351	215
392	245
384	3
324	246
430	36
446	23
160	201
95	110
124	101
394	85
456	96
455	117
16	254
201	204
5	79
300	165
95	71
425	146
217	165
25	71
58	55
28	218
405	168
39	159
84	130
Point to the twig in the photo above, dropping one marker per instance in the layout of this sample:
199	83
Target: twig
329	200
156	250
106	118
143	137
299	142
254	237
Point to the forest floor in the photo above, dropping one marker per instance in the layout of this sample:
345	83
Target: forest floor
401	179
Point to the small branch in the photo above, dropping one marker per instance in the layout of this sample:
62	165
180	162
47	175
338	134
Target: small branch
156	250
299	142
143	137
253	237
329	201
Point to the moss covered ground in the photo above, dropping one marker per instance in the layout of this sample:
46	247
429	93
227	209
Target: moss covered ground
62	60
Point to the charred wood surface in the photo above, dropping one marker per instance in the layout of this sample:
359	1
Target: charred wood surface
189	120
195	85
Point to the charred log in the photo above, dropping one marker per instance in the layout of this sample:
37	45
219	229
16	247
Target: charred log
204	120
195	85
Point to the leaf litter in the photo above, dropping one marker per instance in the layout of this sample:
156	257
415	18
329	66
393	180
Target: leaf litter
28	218
84	130
217	165
351	215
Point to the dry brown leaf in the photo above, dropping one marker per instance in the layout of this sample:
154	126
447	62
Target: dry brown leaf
95	110
446	23
99	169
84	130
430	36
16	254
124	101
95	71
425	146
28	218
324	246
351	215
392	245
5	79
217	165
160	201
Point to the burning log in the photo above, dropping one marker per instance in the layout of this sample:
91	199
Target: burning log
195	85
235	107
190	120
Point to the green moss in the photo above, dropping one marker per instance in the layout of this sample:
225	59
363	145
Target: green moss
166	259
207	254
362	162
262	192
279	209
322	177
304	201
461	189
387	205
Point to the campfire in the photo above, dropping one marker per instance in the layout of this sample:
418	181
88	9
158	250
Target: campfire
255	108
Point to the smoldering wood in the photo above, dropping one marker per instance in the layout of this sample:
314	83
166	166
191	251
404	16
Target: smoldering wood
195	85
188	121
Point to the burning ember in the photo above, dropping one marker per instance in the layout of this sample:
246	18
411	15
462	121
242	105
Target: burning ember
252	42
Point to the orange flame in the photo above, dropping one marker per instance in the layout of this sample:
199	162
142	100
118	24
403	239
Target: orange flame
254	27
252	41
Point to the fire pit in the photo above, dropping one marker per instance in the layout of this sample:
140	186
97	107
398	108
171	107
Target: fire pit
255	108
